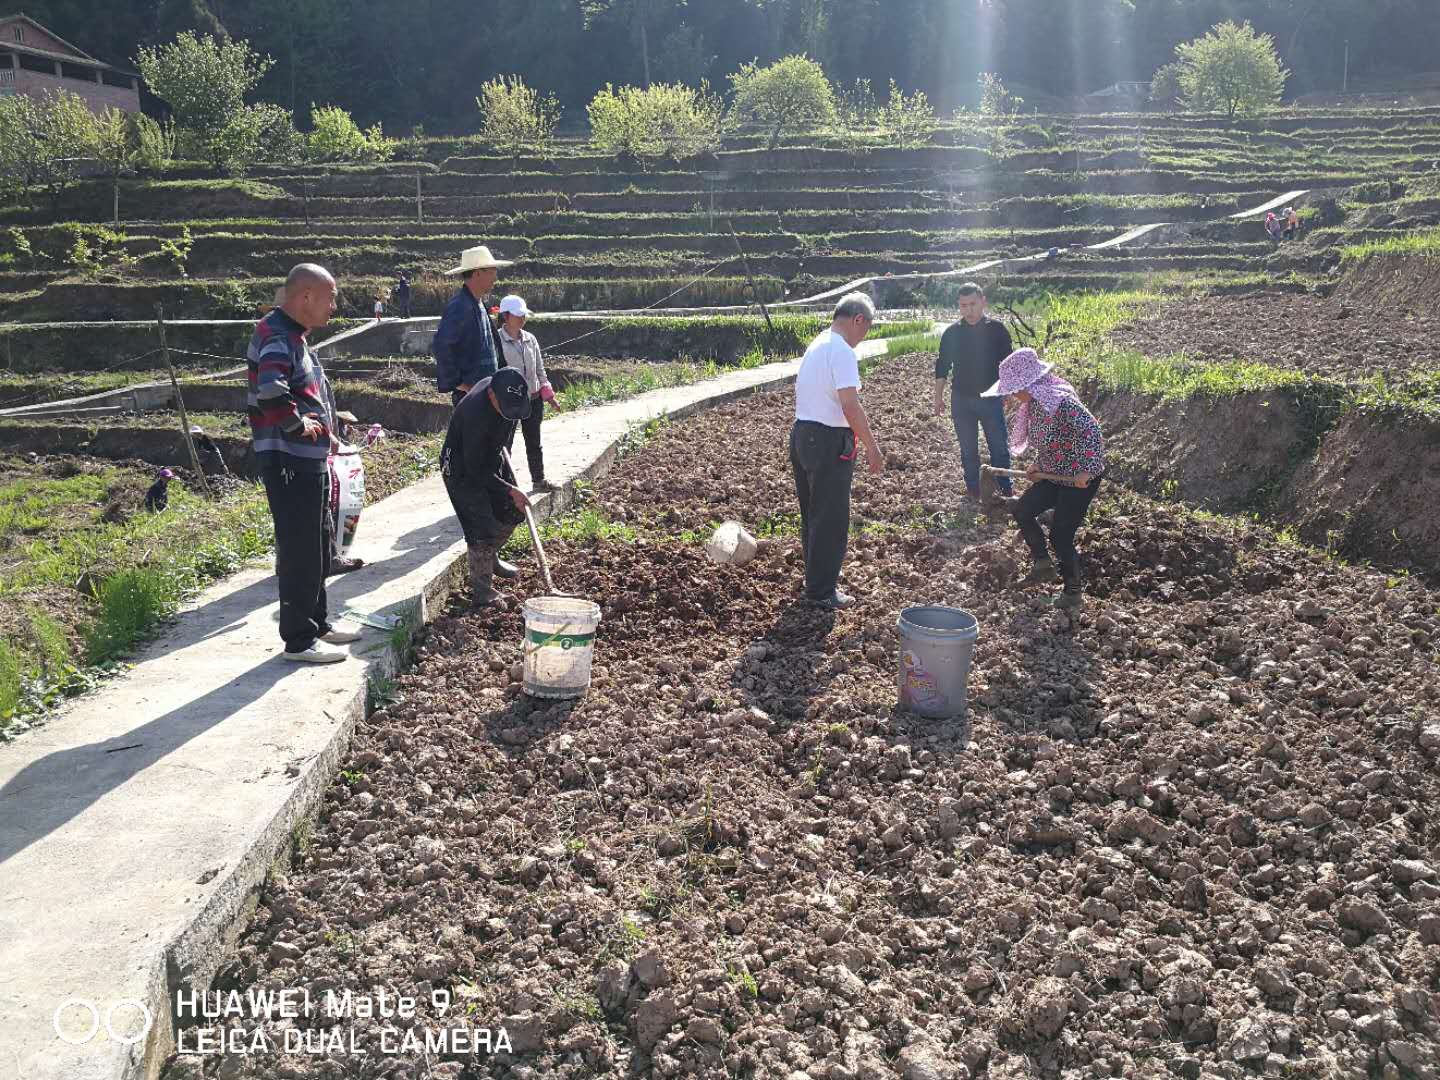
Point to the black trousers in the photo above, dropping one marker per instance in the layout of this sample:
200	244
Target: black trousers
823	461
1070	504
300	505
485	515
530	426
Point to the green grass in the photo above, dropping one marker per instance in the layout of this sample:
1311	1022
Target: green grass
1425	243
912	343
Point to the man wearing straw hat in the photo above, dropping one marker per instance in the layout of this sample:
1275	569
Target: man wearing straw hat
466	346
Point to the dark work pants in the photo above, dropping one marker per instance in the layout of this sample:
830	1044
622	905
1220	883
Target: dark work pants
1070	504
823	461
485	516
969	415
530	426
300	505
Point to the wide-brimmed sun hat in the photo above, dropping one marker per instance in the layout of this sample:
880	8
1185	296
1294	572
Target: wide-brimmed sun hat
1018	371
478	258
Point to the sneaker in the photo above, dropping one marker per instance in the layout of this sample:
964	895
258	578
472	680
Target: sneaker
1042	573
836	601
505	569
345	566
543	487
316	654
339	637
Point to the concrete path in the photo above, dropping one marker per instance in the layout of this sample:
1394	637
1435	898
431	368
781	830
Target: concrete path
137	825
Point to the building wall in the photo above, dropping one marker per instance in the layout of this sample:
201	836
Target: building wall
98	96
36	39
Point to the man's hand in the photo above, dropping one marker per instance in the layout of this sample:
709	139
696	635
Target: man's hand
939	407
464	388
334	445
1032	473
1083	480
875	462
520	500
311	428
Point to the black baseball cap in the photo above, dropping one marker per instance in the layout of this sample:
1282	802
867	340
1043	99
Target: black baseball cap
512	392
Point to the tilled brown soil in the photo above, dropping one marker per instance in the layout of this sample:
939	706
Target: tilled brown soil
1346	341
1189	832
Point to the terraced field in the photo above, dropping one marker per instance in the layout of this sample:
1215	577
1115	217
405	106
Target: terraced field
77	293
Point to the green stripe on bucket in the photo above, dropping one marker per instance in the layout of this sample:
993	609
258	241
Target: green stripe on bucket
560	641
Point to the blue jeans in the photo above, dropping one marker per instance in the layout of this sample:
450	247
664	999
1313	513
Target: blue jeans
969	414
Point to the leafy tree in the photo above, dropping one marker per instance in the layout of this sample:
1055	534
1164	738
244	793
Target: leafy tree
1165	86
1231	70
44	141
336	137
908	120
785	96
996	98
126	141
256	133
204	81
666	120
517	119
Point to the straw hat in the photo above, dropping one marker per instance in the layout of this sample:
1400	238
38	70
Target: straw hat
478	258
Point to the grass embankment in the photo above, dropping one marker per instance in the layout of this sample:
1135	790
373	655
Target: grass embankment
1082	350
86	574
1425	244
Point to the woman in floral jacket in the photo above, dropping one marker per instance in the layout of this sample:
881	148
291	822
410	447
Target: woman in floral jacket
1069	465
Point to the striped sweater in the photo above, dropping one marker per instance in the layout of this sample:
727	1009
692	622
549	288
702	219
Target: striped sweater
286	384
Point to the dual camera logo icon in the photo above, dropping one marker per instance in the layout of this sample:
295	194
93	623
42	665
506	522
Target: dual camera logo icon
88	1036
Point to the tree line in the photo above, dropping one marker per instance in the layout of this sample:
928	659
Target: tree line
422	62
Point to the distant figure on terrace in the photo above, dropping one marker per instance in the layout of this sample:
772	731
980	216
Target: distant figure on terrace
212	460
1292	223
521	351
400	296
158	497
1272	226
972	349
467	344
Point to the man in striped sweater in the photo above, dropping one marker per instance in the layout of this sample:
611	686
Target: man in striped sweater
293	429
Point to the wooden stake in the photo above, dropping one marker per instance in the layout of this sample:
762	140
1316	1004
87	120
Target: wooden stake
180	403
750	278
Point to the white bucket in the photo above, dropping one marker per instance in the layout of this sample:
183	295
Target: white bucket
936	647
559	645
347	496
731	544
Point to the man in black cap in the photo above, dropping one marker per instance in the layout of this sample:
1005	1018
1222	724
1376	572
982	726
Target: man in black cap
481	485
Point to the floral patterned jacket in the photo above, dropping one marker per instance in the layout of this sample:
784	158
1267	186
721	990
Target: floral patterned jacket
1068	442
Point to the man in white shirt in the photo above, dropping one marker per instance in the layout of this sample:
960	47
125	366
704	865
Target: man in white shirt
828	420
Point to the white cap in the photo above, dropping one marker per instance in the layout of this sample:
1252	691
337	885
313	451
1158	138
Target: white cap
514	305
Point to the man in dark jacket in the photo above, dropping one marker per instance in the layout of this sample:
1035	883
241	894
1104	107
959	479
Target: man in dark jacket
480	484
400	296
467	345
973	348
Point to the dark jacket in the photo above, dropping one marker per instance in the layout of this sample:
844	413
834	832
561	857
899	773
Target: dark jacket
465	346
474	439
974	354
474	472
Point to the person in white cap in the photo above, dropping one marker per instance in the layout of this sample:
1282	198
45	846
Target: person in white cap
521	351
466	346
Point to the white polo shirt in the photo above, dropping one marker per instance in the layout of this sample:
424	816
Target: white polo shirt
830	365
